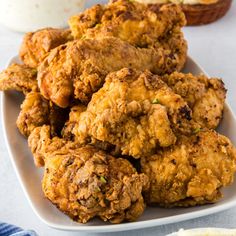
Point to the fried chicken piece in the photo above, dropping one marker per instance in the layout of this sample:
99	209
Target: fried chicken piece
78	69
18	77
86	182
37	111
34	112
133	22
135	111
192	171
72	123
36	45
40	143
74	115
139	25
79	24
205	96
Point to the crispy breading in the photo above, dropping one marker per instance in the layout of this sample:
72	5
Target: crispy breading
40	143
135	111
205	96
34	112
192	171
36	45
74	115
19	77
86	182
130	21
72	123
78	69
37	111
138	24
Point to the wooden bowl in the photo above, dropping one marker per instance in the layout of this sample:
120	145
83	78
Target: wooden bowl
204	14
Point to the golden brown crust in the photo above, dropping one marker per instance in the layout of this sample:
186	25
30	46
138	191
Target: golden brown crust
113	37
36	45
34	112
192	171
130	21
75	112
18	77
85	182
138	24
205	96
40	143
78	69
137	112
37	111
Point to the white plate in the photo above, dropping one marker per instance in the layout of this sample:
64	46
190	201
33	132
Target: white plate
30	177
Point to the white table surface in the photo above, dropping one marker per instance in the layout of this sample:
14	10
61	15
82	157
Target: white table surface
213	46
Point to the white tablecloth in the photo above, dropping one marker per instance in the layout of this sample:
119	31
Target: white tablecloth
213	46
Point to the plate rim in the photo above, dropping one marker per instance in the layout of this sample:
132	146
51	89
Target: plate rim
111	227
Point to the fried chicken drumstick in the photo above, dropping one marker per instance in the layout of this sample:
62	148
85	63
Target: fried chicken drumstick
78	69
85	182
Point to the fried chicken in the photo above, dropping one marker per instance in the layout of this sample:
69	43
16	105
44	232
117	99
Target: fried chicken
192	171
40	143
78	69
139	25
37	111
86	182
130	21
135	111
36	45
18	77
74	115
205	96
34	112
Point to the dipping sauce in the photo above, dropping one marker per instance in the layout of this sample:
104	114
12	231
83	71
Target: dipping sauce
30	15
207	232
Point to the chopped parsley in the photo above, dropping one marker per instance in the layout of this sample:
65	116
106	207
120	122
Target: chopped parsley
197	130
98	189
156	101
103	180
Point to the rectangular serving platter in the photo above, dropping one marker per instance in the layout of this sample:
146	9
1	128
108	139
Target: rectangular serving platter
30	176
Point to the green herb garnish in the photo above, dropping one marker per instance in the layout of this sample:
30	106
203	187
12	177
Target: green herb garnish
155	101
103	180
197	130
98	189
34	71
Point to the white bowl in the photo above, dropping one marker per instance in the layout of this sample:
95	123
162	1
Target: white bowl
30	15
30	177
205	231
